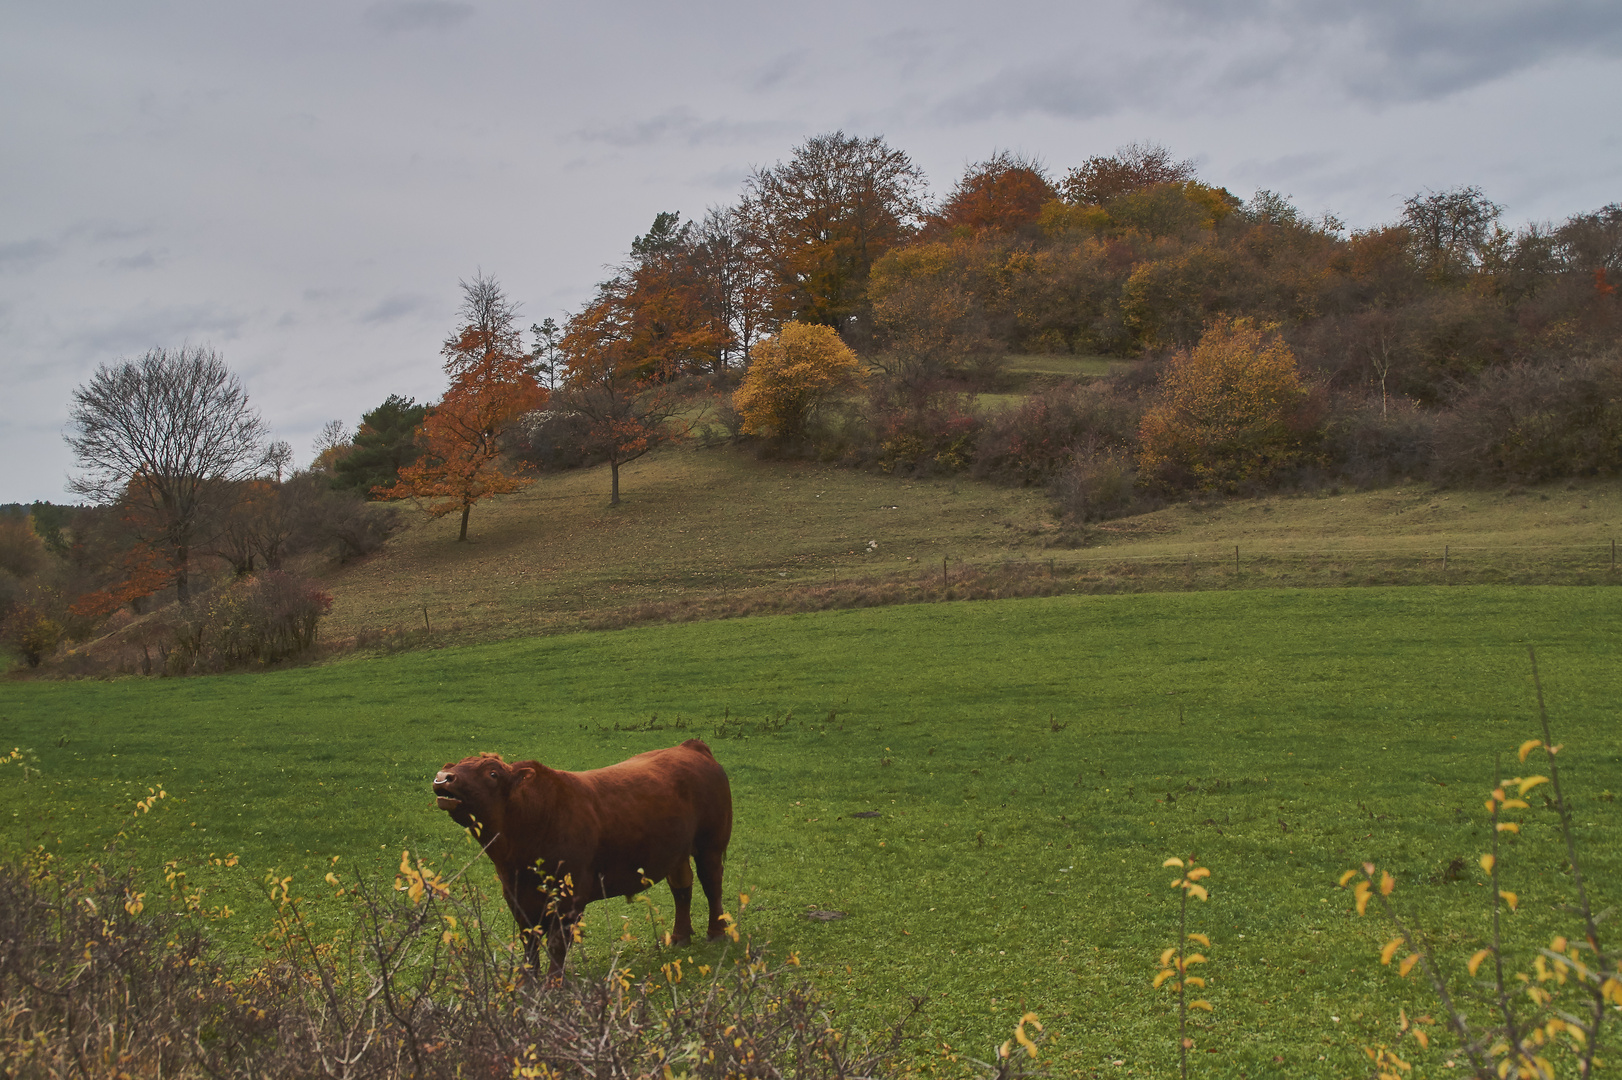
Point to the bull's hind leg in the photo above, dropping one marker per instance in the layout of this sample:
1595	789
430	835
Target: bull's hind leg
681	887
710	860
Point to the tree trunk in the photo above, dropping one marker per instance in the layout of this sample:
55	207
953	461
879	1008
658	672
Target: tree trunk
467	508
614	486
182	586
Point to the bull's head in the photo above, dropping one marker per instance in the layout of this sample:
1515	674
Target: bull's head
475	790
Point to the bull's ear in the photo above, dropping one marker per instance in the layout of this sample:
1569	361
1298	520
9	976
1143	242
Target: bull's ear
521	773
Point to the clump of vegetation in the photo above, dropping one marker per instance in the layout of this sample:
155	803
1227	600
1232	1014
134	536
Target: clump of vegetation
1509	1024
100	978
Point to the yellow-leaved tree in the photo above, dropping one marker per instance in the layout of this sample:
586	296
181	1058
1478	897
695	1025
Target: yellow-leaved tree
1232	411
790	376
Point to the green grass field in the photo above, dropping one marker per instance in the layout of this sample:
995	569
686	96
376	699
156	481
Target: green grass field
1032	763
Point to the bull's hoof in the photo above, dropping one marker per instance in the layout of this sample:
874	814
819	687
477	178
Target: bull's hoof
680	938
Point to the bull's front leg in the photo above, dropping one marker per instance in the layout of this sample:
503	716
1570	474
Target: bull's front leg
681	889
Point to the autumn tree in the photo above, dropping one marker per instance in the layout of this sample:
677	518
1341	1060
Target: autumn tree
792	375
1230	411
1137	166
168	437
492	384
930	321
825	216
1005	193
624	390
736	278
1449	228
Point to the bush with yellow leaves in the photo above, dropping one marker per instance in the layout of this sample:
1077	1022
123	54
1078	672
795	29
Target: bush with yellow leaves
790	375
1509	1024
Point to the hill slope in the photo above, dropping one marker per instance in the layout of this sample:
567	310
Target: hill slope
712	532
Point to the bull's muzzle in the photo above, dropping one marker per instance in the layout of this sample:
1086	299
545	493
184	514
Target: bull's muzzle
442	791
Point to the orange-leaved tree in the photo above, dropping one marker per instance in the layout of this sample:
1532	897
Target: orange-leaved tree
1232	411
492	384
792	374
621	380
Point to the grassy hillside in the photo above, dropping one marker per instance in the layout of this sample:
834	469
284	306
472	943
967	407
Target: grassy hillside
711	532
1032	762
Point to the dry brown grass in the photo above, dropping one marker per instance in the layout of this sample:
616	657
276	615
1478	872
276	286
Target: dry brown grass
716	533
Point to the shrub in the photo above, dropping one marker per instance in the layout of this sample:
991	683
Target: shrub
1231	412
1097	484
1037	441
95	971
261	619
790	376
32	632
1528	424
924	429
1368	444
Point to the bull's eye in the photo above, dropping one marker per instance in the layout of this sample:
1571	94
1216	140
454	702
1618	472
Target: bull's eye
492	774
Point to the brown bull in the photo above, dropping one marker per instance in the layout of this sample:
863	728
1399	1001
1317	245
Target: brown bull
563	839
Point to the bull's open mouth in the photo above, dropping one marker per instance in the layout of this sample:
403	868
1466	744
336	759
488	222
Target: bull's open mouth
445	802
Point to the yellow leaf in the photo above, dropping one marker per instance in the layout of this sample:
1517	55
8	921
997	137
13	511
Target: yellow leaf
1195	980
1199	891
1206	1005
1177	881
1498	793
1531	782
1347	876
1199	872
1508	826
1165	957
1163	976
1528	746
1509	898
1387	883
1475	961
1424	1039
1488	862
1197	958
1172	862
1390	950
1031	1018
1559	944
1407	965
1491	806
1201	938
1556	748
1363	892
1515	804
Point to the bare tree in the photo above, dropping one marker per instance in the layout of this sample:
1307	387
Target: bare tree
166	436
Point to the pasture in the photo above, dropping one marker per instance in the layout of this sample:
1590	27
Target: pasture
1031	762
705	533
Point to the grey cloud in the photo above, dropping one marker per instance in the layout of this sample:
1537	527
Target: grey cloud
394	307
21	255
777	71
1398	50
135	331
402	16
144	260
1072	91
676	125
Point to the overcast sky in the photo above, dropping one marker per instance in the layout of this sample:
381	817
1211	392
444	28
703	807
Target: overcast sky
301	185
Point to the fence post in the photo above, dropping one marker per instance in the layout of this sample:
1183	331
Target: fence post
1236	560
943	571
